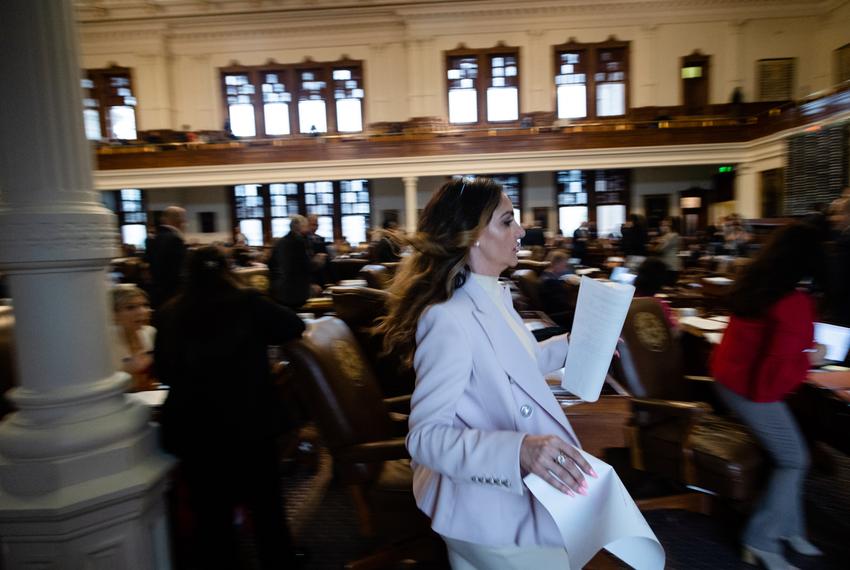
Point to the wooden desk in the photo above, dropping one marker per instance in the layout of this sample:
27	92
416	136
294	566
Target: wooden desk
822	406
599	424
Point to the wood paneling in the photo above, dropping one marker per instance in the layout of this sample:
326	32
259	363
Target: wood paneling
666	130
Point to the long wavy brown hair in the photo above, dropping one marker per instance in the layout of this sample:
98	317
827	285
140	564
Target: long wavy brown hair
449	225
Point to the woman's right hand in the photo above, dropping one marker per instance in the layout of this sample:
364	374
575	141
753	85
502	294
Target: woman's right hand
539	454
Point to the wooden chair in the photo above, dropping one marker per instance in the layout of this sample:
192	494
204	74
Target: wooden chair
366	444
359	308
8	373
254	277
376	276
673	430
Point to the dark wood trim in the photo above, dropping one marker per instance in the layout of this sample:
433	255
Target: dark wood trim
590	52
481	79
290	73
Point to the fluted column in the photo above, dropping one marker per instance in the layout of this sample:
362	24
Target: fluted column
411	212
81	478
747	194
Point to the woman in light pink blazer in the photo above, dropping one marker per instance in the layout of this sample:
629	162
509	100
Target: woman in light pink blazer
482	414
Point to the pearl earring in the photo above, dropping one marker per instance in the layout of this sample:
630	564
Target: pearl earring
477	243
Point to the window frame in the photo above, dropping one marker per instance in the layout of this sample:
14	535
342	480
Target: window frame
483	56
590	51
100	91
303	208
291	74
593	201
761	67
123	214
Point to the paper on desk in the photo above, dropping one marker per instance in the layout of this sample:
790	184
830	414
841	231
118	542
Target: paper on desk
600	313
605	518
703	324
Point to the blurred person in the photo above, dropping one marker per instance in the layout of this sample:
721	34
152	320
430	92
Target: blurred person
291	265
320	254
651	277
133	337
165	253
469	440
735	236
220	417
765	354
553	292
239	238
634	237
580	238
534	235
385	248
666	247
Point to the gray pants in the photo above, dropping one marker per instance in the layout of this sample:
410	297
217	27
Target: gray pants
779	512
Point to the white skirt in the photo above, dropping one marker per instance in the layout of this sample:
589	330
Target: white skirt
470	556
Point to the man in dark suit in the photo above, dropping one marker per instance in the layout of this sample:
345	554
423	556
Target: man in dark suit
320	254
165	253
290	265
534	235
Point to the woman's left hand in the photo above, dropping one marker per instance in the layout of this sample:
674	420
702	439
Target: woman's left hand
556	462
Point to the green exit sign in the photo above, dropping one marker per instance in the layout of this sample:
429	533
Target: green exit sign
725	168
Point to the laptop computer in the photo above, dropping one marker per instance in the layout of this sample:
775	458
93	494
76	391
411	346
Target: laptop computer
836	339
622	275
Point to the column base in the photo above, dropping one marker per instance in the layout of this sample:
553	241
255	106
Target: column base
115	521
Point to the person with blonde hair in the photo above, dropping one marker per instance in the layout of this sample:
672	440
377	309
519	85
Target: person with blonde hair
133	337
482	416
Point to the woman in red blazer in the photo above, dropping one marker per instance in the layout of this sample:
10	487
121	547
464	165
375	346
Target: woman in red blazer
765	354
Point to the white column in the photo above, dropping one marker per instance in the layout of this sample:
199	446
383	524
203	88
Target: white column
81	478
747	192
411	212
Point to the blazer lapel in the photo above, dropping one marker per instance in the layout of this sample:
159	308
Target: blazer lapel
512	355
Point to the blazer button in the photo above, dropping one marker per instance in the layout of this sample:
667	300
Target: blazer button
526	411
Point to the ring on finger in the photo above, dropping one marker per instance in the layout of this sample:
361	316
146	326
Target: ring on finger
561	459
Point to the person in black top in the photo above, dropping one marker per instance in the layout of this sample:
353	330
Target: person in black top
291	265
166	252
385	249
553	290
220	417
634	237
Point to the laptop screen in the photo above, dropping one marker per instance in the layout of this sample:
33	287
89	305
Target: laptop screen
835	338
622	275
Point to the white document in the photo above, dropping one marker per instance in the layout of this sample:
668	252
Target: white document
703	324
600	313
605	518
150	398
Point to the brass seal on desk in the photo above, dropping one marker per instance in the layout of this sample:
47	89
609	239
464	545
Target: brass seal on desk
349	361
651	332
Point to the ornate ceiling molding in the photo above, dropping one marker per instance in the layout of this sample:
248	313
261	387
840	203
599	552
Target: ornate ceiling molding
89	11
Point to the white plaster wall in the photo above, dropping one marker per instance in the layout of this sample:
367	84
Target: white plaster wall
175	66
196	200
668	180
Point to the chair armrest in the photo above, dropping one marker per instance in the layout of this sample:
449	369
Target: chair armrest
399	424
373	452
399	404
699	379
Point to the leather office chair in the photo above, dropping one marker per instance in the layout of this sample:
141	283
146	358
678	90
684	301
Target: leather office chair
366	444
528	282
673	434
376	276
359	308
254	277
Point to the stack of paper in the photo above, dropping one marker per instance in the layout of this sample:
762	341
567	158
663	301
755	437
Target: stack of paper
600	313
